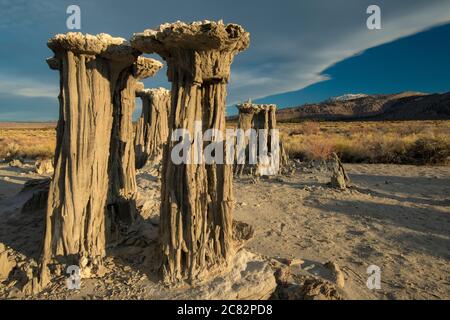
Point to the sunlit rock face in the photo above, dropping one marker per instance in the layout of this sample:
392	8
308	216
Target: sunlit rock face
95	147
197	199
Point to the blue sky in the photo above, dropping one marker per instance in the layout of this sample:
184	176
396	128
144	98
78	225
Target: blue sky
416	63
301	50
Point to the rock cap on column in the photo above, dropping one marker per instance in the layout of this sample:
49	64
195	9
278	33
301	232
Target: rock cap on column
103	44
146	67
247	107
53	63
198	35
203	50
152	93
266	107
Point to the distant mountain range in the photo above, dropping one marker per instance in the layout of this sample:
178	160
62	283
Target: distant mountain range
347	97
401	106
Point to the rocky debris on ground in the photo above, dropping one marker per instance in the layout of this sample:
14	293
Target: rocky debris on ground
289	168
16	163
313	166
149	192
339	177
292	286
250	278
44	167
295	262
242	232
299	285
283	275
6	263
148	205
16	272
318	289
38	191
333	166
337	274
308	289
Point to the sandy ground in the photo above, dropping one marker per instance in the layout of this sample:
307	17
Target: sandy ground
395	217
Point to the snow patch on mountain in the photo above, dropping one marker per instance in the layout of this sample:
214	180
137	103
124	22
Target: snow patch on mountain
348	97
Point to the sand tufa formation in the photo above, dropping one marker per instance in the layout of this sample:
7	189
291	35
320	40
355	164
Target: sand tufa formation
197	199
94	158
261	118
122	170
152	128
339	178
93	192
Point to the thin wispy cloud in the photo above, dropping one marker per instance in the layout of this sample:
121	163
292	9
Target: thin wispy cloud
310	59
26	87
292	42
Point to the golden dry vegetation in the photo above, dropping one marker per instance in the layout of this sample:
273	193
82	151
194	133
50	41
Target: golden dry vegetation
27	141
400	142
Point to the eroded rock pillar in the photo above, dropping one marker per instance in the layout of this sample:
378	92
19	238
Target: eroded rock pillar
262	119
245	123
263	123
122	170
152	129
90	68
197	199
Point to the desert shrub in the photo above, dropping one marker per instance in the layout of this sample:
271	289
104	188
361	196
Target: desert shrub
295	132
310	128
407	142
429	150
12	149
388	151
27	143
351	152
405	131
293	146
318	148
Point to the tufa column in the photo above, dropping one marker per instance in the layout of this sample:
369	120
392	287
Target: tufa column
123	187
197	199
152	129
93	74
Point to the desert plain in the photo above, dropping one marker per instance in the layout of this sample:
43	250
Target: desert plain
394	215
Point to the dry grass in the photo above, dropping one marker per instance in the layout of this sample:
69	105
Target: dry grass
27	143
400	142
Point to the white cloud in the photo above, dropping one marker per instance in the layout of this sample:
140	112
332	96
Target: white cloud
292	41
315	49
27	87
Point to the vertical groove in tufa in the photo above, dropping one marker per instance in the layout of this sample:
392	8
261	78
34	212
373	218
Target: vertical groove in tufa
152	128
196	199
97	74
262	119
